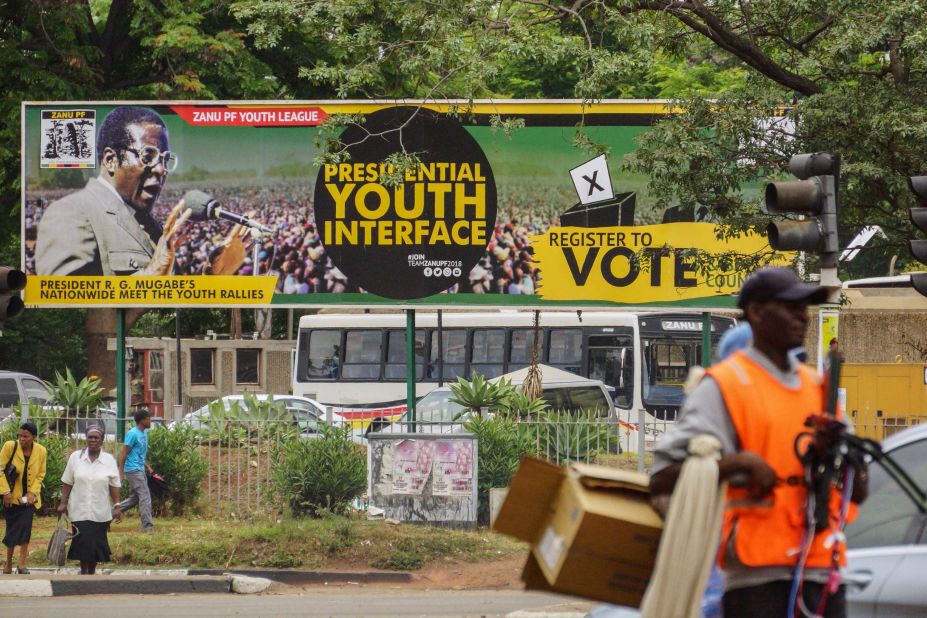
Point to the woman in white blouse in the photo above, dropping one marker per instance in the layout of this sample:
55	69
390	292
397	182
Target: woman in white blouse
90	497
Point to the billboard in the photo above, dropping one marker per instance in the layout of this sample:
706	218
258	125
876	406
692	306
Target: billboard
354	204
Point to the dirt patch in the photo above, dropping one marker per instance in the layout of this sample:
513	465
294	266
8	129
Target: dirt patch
501	574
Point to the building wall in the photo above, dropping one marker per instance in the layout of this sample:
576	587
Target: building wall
274	369
876	336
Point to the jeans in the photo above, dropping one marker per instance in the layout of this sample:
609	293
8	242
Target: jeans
139	494
772	601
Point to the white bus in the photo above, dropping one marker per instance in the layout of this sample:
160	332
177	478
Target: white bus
359	360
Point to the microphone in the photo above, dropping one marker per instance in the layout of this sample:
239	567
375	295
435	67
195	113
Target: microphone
204	207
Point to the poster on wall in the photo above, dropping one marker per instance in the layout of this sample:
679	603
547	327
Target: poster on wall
355	204
453	468
828	323
412	463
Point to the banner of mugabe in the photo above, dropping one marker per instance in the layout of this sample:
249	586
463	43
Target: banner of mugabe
246	204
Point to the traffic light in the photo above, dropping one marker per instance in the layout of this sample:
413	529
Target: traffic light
11	282
815	197
918	248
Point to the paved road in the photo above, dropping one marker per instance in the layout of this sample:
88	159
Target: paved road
367	602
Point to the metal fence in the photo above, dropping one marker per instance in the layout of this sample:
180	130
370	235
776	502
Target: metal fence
241	452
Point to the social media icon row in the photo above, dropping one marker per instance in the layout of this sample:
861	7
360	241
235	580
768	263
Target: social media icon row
447	271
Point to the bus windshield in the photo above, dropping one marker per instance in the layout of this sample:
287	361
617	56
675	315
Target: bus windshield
667	361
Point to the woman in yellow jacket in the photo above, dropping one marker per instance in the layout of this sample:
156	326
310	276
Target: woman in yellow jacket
21	501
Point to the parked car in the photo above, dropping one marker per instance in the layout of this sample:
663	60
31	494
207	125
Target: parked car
106	414
563	392
20	388
307	414
887	542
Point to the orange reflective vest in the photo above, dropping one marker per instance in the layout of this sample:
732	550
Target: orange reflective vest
768	417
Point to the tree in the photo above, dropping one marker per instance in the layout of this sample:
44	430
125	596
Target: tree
851	77
102	50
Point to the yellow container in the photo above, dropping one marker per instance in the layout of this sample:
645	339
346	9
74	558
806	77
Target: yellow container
883	398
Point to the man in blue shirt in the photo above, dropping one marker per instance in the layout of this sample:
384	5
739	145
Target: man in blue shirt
132	463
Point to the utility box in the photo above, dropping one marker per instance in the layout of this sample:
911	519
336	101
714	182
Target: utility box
592	530
423	478
883	398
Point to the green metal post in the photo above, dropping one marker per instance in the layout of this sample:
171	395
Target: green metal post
706	339
120	375
410	368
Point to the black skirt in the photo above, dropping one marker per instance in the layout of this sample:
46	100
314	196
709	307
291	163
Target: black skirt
18	524
90	544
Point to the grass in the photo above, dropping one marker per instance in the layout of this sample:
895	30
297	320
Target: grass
309	544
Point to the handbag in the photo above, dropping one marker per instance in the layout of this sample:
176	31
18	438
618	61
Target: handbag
9	470
56	552
157	484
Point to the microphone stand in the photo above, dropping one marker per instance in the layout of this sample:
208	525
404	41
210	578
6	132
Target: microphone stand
261	315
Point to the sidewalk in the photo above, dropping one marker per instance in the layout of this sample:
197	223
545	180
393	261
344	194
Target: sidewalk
47	582
573	609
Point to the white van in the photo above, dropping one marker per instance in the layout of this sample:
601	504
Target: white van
563	391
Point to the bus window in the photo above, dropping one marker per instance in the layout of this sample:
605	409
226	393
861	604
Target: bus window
396	355
611	360
522	343
362	355
324	354
667	363
488	356
455	354
566	349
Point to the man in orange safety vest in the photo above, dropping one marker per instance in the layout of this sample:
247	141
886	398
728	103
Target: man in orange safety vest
756	403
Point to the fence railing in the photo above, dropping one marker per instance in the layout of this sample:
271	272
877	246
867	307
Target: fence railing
240	453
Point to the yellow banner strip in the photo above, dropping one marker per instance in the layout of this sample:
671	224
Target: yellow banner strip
193	290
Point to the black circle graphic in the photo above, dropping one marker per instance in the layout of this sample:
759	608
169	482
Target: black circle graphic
425	234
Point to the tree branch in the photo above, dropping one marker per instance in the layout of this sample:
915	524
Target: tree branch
700	19
811	36
717	31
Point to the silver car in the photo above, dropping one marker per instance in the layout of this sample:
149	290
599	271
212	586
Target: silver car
887	561
887	557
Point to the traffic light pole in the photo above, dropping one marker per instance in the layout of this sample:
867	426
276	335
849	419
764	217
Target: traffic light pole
410	368
120	375
918	214
813	199
829	276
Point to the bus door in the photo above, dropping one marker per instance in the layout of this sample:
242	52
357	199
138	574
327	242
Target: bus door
610	358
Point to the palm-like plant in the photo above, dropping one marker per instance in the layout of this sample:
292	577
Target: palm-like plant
479	393
520	405
70	394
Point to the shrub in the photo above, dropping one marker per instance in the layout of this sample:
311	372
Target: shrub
248	420
58	450
478	393
73	395
501	444
519	405
564	437
320	475
174	454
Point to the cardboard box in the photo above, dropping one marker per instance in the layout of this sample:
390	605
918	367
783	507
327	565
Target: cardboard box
592	531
